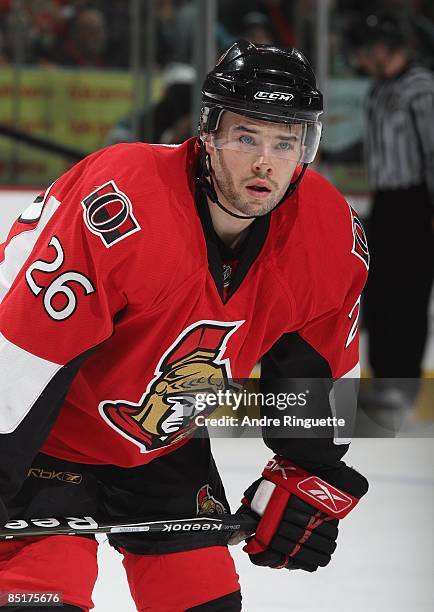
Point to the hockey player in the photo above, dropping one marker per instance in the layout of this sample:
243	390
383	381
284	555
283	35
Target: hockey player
146	273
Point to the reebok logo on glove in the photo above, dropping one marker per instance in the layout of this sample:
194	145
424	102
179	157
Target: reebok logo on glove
333	500
312	489
299	513
276	466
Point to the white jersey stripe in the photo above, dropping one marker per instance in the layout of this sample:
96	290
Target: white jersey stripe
20	247
23	377
353	373
343	402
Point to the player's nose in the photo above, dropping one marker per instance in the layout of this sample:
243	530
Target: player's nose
262	164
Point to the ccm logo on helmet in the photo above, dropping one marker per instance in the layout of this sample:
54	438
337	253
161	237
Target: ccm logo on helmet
274	96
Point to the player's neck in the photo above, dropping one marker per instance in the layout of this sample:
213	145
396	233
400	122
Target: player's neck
230	230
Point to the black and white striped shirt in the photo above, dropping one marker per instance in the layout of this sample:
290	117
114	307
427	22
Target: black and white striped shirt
399	131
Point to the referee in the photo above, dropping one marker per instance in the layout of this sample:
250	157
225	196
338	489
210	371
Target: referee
399	146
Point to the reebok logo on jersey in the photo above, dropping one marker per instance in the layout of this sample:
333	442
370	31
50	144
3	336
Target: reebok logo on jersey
108	213
333	500
70	477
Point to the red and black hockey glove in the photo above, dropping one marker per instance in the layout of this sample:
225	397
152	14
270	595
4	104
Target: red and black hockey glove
299	513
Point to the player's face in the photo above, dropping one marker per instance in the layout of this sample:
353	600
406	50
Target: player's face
373	59
253	162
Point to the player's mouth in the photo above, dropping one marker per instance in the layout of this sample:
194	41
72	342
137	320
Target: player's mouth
258	189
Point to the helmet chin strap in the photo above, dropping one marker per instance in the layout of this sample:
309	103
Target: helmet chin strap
207	184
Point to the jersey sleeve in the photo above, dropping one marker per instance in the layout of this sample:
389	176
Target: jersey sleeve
64	276
320	363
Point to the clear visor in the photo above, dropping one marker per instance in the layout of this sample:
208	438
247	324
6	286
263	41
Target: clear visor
297	141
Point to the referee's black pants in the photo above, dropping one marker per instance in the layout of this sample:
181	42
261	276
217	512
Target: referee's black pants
400	237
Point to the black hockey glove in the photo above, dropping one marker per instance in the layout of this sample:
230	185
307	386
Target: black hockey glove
299	513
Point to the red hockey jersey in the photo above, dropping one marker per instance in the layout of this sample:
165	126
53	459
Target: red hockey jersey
111	303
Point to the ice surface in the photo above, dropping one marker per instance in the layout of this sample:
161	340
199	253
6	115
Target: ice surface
385	556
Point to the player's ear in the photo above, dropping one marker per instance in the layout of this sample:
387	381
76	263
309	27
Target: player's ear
209	145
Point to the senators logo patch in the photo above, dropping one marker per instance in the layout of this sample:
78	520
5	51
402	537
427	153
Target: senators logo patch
108	213
207	503
360	243
166	412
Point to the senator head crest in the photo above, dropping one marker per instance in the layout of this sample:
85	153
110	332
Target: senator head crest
165	414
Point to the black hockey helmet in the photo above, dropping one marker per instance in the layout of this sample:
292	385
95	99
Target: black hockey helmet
389	28
266	83
263	82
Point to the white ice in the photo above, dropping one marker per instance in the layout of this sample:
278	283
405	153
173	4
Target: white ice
385	556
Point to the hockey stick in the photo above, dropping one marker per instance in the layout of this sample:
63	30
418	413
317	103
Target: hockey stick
72	525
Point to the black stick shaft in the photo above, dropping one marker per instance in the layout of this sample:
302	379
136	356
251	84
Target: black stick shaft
73	525
39	142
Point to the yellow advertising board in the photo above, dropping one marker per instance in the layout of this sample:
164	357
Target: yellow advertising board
69	106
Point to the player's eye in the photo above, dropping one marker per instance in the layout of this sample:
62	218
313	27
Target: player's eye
246	139
285	145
